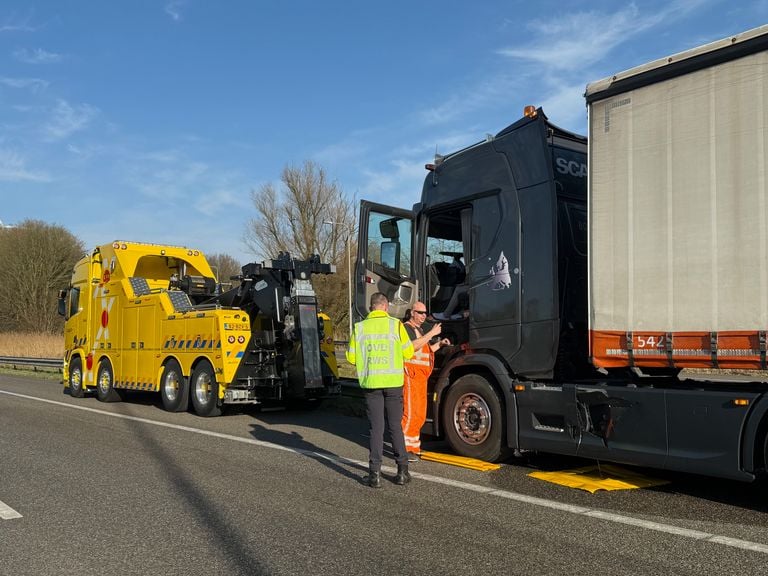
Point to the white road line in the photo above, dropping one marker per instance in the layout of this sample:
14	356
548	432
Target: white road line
531	500
8	513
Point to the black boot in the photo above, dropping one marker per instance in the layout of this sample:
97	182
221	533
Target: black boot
373	480
403	476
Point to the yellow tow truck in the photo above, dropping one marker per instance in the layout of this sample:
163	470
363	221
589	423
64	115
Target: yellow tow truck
154	318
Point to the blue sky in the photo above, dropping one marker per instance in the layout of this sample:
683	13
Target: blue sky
153	120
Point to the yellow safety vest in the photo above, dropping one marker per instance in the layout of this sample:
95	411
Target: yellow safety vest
377	348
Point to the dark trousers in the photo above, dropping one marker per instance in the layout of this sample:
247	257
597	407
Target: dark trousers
380	402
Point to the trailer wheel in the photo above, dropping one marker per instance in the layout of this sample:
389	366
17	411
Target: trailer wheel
473	419
205	390
174	388
75	381
105	383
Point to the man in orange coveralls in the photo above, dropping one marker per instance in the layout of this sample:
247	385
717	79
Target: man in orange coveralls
417	371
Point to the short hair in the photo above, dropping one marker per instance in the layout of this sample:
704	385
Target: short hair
378	299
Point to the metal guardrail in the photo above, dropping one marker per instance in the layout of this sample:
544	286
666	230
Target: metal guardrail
54	364
34	364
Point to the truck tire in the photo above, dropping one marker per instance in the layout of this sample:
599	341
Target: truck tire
174	388
75	381
473	419
205	390
105	383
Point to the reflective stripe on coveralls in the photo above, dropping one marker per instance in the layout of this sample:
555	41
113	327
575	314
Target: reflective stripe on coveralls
417	371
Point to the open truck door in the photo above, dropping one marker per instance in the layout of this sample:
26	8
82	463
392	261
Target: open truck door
385	258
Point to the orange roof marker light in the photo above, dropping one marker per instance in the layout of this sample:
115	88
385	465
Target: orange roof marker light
529	112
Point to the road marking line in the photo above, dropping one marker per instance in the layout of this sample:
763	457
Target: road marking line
8	513
531	500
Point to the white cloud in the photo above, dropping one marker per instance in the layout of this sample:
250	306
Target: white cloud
221	201
477	97
34	84
173	9
85	152
352	149
168	177
173	181
398	186
37	56
579	39
66	120
13	169
13	25
565	107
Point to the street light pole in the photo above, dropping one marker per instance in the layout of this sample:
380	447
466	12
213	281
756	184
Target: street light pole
348	232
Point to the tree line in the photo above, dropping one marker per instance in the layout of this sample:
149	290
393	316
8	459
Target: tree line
307	214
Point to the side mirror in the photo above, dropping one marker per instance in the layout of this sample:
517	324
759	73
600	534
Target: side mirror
388	229
62	303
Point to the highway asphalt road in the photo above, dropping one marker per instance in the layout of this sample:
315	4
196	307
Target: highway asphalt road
126	488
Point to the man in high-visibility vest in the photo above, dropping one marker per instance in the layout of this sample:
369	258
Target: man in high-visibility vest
377	347
417	371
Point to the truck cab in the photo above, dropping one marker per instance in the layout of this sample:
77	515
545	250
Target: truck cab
496	249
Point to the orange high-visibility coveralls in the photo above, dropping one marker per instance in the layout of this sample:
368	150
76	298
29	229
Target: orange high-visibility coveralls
417	371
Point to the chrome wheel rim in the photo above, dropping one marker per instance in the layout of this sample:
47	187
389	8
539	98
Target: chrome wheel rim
472	418
105	381
76	380
203	388
171	385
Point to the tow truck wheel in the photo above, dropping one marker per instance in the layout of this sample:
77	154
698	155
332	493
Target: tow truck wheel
75	382
105	383
473	419
174	388
205	390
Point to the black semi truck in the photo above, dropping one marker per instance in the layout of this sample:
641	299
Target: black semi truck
595	271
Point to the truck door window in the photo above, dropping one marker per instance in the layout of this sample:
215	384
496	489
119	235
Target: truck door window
447	256
74	302
389	243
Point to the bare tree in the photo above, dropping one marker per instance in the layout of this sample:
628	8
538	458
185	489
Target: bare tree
309	214
292	219
225	267
37	262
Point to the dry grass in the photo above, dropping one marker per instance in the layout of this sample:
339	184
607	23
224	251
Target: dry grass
31	345
346	370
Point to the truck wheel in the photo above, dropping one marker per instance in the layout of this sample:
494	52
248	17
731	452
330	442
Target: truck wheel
105	383
205	390
473	419
75	382
174	388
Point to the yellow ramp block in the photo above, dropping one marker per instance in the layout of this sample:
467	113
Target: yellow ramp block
471	463
594	478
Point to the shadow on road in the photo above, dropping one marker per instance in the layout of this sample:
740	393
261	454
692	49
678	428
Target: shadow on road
299	444
751	496
233	543
734	496
326	419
